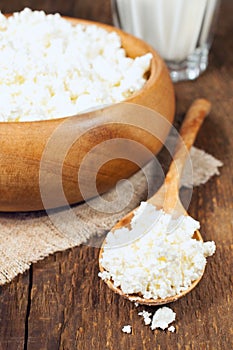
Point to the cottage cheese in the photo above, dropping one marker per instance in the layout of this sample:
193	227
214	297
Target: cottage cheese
157	257
50	68
146	317
171	329
162	318
127	329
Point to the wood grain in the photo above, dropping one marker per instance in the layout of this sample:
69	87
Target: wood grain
13	313
70	308
99	10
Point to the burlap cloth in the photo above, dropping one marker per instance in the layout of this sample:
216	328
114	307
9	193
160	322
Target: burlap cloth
28	237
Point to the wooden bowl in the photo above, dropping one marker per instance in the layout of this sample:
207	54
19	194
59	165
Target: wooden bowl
24	144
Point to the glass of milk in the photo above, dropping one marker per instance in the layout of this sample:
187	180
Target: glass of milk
180	30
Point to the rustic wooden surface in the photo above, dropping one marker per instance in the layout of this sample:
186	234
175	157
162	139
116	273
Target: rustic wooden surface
61	304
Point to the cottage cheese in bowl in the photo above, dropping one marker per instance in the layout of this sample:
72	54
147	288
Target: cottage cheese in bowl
50	68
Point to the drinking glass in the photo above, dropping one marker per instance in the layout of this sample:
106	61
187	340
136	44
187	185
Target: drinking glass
181	31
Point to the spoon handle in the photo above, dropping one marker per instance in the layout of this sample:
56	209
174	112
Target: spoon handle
194	118
169	192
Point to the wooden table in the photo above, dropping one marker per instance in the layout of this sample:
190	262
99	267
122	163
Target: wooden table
61	303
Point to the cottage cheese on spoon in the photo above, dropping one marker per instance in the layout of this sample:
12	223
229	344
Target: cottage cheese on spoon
157	257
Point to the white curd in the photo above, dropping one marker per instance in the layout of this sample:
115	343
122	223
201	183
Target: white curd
157	257
50	68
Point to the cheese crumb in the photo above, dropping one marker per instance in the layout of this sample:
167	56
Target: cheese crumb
171	329
162	318
127	329
50	68
146	316
157	257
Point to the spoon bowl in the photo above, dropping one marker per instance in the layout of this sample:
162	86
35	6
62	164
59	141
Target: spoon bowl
167	197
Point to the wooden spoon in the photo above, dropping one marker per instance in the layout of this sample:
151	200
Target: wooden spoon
167	196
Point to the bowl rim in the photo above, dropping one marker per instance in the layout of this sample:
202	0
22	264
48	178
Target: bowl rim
154	70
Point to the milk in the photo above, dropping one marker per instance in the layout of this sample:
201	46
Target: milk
175	28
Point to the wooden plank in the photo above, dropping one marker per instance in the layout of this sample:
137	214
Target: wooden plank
13	313
94	10
49	6
99	10
70	308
